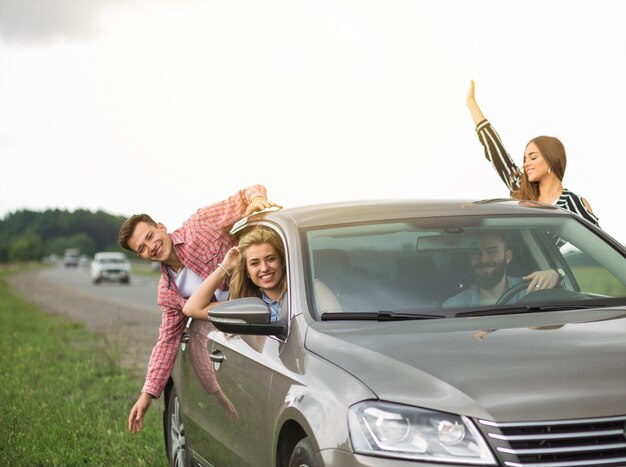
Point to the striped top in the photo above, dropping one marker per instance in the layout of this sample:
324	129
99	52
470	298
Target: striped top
511	174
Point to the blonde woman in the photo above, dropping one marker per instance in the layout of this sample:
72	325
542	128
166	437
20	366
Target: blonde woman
256	268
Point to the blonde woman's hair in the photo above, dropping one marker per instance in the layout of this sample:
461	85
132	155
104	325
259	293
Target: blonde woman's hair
553	152
240	284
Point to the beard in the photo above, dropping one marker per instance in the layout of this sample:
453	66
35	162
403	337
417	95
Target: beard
487	280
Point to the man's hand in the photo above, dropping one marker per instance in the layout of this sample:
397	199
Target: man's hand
227	405
258	203
135	421
542	280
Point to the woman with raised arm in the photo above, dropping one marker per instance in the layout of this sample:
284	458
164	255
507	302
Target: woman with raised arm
541	176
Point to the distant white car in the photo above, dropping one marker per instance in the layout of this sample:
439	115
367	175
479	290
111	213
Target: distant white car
110	266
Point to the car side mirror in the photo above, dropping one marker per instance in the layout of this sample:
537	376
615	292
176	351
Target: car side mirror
247	316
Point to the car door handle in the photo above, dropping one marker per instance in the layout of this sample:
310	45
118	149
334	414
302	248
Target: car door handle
217	356
184	339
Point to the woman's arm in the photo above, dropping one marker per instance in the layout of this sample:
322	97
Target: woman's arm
492	144
199	303
472	105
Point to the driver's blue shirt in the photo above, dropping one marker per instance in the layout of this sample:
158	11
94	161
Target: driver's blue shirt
274	307
471	295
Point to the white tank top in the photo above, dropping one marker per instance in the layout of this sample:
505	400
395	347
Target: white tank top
188	281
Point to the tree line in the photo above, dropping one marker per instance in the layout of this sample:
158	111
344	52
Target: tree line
31	235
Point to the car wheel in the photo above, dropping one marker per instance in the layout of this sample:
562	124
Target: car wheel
126	281
175	431
97	280
303	455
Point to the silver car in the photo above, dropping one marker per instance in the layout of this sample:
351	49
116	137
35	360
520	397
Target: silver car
381	359
110	266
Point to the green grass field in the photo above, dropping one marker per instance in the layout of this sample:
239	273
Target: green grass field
598	280
64	398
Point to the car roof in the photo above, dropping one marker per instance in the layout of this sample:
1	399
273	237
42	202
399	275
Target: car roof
360	211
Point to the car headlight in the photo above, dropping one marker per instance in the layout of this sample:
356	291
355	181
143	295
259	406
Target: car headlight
400	431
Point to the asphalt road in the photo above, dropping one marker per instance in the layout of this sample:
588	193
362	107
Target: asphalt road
141	292
126	316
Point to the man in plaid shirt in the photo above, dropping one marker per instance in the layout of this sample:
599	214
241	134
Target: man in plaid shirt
193	251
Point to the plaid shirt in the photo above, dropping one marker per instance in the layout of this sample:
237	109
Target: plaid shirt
200	244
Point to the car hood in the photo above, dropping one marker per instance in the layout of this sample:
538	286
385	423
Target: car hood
557	365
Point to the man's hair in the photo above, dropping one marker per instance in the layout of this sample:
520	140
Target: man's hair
503	235
128	228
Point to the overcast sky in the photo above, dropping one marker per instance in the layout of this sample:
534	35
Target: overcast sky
165	106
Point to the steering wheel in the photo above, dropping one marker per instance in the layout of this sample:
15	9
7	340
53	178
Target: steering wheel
511	292
557	292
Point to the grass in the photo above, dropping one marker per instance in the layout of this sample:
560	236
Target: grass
598	280
64	397
144	268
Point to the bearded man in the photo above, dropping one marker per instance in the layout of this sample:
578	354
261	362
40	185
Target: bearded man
489	263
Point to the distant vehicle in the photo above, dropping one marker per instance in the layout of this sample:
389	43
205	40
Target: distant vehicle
110	266
70	257
83	261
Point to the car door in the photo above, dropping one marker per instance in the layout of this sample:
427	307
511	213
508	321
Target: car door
227	380
244	367
200	391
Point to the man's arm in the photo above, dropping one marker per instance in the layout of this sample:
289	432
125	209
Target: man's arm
164	352
223	214
161	363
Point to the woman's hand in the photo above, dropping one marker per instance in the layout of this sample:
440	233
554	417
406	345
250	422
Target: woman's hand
471	99
230	260
472	105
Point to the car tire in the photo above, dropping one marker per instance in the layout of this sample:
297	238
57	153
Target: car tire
97	280
175	432
303	455
125	281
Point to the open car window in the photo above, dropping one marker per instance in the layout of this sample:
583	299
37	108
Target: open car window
421	265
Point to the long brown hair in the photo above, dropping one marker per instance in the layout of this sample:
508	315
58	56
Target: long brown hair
553	152
240	284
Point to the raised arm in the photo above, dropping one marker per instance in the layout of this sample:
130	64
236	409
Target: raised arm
199	302
472	105
223	214
492	144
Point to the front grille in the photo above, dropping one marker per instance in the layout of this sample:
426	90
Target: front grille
562	443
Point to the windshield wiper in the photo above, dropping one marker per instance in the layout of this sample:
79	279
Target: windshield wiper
526	309
375	316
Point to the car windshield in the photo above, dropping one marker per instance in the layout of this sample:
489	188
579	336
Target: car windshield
113	260
459	266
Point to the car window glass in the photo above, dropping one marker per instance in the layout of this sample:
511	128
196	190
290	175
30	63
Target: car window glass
419	265
591	276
